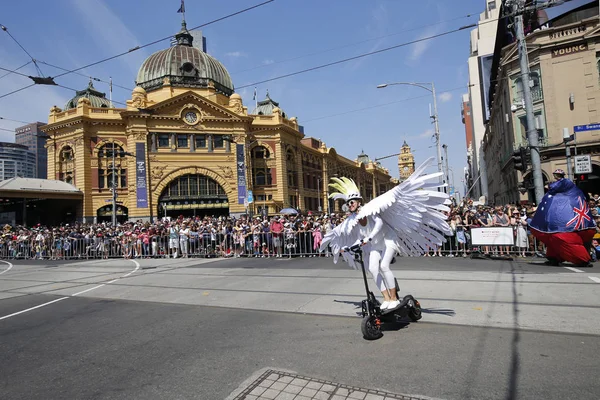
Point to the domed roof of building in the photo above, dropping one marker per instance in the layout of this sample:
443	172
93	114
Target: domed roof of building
96	98
266	107
185	66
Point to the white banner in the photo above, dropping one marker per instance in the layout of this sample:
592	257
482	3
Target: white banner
493	236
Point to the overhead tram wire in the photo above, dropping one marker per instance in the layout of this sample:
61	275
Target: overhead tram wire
162	39
355	43
40	73
75	90
16	69
359	56
84	75
15	120
474	25
50	80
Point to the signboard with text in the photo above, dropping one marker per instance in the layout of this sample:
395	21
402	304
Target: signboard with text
493	236
583	164
584	128
141	188
241	173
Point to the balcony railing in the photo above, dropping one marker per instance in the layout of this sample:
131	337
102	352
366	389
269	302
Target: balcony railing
542	142
536	95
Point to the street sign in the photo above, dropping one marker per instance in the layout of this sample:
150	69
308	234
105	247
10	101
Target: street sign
250	197
583	164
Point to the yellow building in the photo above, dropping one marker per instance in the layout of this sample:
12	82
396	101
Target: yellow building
406	162
186	145
564	55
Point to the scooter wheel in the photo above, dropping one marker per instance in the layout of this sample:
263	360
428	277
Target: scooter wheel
371	328
415	313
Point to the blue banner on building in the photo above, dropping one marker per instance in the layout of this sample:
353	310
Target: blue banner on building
141	188
583	128
241	173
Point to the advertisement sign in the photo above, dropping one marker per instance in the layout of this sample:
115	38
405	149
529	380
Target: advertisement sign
241	173
485	73
250	197
493	236
141	188
583	164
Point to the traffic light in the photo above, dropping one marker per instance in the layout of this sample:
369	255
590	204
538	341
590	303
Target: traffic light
520	159
582	178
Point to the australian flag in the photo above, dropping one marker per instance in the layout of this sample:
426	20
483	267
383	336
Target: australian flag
182	8
563	209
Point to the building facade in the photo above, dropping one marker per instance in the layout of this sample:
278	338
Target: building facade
31	136
564	56
467	120
482	42
16	161
187	145
406	162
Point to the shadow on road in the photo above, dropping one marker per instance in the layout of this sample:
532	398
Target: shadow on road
440	311
514	367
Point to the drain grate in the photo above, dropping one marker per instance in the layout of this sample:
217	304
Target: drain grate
273	384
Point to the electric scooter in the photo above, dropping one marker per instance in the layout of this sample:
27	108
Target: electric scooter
372	316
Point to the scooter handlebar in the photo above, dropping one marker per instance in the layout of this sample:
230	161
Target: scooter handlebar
355	248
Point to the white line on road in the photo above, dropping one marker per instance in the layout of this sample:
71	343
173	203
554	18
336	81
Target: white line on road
573	269
137	267
595	279
33	308
9	266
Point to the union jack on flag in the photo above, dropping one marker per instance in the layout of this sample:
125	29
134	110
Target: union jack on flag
581	215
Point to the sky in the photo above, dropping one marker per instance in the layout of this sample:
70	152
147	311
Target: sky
340	104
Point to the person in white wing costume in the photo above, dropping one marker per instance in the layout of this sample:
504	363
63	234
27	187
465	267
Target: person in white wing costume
407	220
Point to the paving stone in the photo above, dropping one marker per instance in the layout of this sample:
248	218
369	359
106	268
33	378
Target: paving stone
328	388
270	393
292	389
299	382
258	391
285	379
273	377
314	385
358	395
338	397
308	392
321	396
371	396
278	386
285	396
342	392
266	383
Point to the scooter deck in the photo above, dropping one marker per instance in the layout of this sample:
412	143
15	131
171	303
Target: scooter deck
402	304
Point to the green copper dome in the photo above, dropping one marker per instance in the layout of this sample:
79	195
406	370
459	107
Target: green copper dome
185	66
96	98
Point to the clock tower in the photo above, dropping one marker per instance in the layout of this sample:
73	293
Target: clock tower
406	162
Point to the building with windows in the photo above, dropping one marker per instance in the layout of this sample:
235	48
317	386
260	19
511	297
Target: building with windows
31	136
482	42
16	161
187	145
406	162
564	55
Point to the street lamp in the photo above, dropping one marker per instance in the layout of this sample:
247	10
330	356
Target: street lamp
434	117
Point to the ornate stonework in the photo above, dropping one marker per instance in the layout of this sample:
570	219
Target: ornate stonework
406	162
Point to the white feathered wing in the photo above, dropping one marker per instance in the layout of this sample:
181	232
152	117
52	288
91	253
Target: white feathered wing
411	210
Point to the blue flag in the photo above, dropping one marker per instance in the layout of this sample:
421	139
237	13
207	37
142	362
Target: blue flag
182	8
563	209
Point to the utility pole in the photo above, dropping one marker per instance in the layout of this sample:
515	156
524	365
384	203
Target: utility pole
532	134
437	134
445	146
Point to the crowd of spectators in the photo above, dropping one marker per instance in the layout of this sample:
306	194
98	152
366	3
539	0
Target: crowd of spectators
257	236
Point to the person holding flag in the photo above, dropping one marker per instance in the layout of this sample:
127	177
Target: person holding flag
563	222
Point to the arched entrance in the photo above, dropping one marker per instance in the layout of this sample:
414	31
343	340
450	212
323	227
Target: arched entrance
104	214
592	183
193	195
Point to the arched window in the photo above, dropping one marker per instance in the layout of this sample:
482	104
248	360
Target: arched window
260	152
291	168
106	169
188	69
66	167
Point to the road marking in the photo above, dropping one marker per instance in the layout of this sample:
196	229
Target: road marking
33	308
9	266
137	267
597	280
573	269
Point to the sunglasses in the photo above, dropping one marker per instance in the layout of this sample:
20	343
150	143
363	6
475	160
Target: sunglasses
352	202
